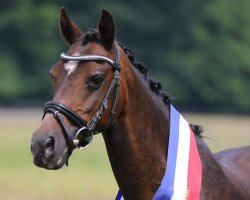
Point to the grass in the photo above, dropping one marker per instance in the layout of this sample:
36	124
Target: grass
89	175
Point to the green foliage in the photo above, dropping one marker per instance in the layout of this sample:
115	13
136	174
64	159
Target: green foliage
199	50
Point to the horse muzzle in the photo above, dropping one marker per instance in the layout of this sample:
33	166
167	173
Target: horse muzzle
49	149
46	155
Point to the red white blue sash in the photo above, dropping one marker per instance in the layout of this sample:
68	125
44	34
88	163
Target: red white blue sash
182	179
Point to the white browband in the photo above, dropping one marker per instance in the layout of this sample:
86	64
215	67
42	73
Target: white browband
91	57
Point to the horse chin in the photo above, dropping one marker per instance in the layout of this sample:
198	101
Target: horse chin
53	164
63	159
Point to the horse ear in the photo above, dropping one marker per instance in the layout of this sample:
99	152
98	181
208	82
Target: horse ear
69	30
107	28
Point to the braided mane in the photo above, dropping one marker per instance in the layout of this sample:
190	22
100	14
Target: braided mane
92	35
155	86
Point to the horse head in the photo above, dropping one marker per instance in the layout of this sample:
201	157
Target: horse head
86	91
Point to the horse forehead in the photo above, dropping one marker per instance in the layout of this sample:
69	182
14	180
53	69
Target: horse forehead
70	66
77	50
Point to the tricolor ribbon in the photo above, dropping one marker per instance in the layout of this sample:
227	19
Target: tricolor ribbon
182	179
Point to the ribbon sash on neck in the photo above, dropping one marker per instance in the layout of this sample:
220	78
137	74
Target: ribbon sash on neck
182	179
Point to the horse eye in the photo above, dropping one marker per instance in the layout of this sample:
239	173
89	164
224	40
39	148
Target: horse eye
95	81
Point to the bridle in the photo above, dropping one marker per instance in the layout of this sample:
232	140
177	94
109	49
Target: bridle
86	130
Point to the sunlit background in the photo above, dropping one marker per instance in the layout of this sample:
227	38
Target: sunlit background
199	50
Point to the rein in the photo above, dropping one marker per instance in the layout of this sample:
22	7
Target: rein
86	130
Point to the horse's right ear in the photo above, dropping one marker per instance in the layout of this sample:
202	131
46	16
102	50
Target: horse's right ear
106	28
69	30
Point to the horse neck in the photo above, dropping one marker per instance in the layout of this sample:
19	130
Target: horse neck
137	144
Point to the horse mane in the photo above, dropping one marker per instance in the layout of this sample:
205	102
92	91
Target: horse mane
155	86
92	35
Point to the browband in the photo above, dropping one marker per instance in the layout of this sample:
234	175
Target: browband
94	57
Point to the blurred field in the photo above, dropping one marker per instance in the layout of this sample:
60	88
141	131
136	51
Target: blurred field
89	175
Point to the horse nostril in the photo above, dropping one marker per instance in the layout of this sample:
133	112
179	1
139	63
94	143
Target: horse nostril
50	142
49	146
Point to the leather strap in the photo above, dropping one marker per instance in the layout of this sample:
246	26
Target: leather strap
59	118
95	57
70	114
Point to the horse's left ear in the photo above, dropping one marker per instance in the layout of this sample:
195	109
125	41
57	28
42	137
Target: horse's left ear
107	28
69	30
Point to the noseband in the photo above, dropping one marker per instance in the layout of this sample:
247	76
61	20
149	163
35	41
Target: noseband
86	130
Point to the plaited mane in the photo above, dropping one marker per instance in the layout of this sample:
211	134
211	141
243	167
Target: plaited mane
92	35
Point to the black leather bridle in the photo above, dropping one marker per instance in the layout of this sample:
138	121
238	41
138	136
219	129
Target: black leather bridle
86	130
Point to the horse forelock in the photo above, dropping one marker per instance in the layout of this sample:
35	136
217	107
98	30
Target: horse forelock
91	35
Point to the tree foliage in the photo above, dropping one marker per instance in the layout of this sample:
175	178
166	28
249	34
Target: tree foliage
199	50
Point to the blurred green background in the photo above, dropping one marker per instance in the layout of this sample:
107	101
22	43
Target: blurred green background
199	50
